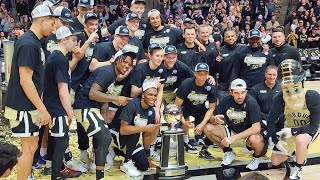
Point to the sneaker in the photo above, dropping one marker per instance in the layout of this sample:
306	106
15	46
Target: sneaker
130	169
200	142
107	167
228	158
31	176
92	168
74	165
295	173
41	160
253	163
205	155
47	171
85	161
37	167
154	155
190	148
69	173
110	156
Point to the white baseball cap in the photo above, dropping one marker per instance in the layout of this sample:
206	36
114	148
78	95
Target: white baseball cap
65	31
148	84
42	11
238	84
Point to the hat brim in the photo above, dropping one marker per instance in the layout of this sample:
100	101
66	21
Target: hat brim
254	36
92	17
66	20
140	2
121	34
84	5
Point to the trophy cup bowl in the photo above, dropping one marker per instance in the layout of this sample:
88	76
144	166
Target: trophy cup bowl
172	115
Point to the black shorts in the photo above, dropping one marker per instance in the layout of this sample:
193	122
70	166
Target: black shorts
59	126
23	123
198	117
90	119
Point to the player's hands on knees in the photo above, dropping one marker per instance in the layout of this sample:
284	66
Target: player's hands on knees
150	128
188	124
122	100
219	119
199	128
45	117
227	141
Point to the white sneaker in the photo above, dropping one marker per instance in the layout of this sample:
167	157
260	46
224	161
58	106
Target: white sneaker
295	173
130	169
228	158
154	155
92	168
253	163
107	167
74	165
110	156
31	176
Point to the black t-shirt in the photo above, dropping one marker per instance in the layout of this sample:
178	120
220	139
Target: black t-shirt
136	46
209	56
224	67
56	71
250	65
194	97
27	52
239	117
104	76
176	75
81	72
304	121
314	44
50	45
166	36
264	96
134	114
303	41
143	73
122	22
104	51
190	56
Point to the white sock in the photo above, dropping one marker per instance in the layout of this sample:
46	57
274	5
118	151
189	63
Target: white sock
67	150
185	138
48	164
83	153
43	151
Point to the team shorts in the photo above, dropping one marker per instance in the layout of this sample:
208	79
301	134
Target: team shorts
90	119
59	126
23	123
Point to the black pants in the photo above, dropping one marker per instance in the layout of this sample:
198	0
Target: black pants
60	145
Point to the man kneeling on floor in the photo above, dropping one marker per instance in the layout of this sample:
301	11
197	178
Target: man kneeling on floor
236	120
137	117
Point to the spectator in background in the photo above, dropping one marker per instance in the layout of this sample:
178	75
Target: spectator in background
271	7
273	23
293	39
303	4
22	12
7	24
290	18
18	30
313	38
303	39
177	5
197	16
9	155
317	9
113	16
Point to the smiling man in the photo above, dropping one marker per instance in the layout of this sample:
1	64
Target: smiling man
88	103
236	121
251	62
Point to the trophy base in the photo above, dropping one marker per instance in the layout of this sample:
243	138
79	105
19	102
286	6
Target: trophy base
176	173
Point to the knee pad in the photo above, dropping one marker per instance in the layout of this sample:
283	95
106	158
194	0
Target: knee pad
140	158
103	140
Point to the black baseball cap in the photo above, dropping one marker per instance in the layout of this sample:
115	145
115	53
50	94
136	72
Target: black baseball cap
90	15
132	16
170	49
201	67
64	14
154	46
122	30
254	33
